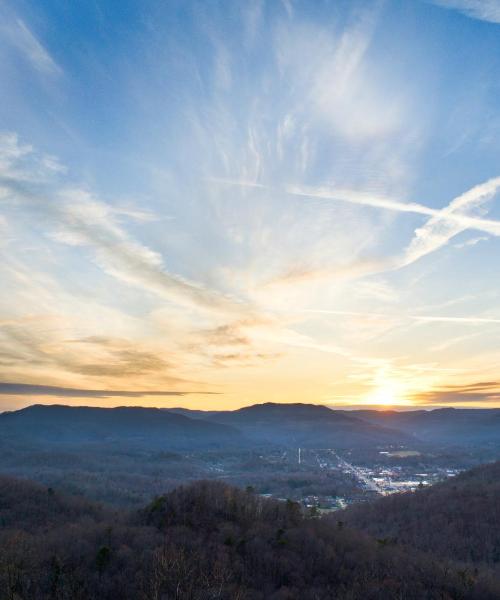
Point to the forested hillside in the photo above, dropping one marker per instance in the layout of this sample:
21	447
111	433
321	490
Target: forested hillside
135	425
302	424
203	541
458	519
261	424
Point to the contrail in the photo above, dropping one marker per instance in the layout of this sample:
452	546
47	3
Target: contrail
354	197
420	318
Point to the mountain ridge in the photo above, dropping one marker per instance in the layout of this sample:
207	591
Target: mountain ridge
313	425
74	424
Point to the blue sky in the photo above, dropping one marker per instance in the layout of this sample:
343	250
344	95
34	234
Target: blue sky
250	201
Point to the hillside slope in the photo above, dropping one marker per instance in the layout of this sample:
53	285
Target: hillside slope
203	541
457	519
305	425
444	425
144	426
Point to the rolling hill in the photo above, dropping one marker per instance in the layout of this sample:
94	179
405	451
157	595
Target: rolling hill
299	424
150	427
445	425
206	540
457	519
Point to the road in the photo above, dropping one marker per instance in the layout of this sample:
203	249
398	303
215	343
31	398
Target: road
360	476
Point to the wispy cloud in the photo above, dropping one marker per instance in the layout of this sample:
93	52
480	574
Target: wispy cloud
85	221
445	223
418	318
38	347
467	320
334	76
486	392
117	358
448	343
455	212
472	242
483	10
452	220
214	190
20	37
25	389
77	218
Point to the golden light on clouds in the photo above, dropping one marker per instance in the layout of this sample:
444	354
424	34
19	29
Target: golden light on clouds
293	219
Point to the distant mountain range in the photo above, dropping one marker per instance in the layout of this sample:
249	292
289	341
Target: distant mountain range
261	424
307	425
444	425
151	427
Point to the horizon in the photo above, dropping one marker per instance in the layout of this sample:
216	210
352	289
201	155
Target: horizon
345	408
222	206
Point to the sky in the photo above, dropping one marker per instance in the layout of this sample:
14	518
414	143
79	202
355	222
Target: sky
215	204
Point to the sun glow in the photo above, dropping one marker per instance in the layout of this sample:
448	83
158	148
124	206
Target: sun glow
388	393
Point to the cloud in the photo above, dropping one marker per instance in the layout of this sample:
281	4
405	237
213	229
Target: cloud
486	392
452	220
466	320
75	217
483	10
24	40
12	152
120	358
454	213
243	358
474	387
299	274
418	318
336	83
453	341
472	242
86	221
78	218
20	164
445	223
230	334
272	94
25	389
288	6
38	347
238	342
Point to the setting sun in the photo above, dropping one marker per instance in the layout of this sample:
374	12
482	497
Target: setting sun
283	204
249	290
387	394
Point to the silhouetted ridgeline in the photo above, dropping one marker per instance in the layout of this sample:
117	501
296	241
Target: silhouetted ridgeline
458	519
203	541
293	425
149	427
305	425
443	425
275	424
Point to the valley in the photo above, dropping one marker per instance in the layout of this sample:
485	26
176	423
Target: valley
128	456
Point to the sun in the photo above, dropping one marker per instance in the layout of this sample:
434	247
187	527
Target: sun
387	394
